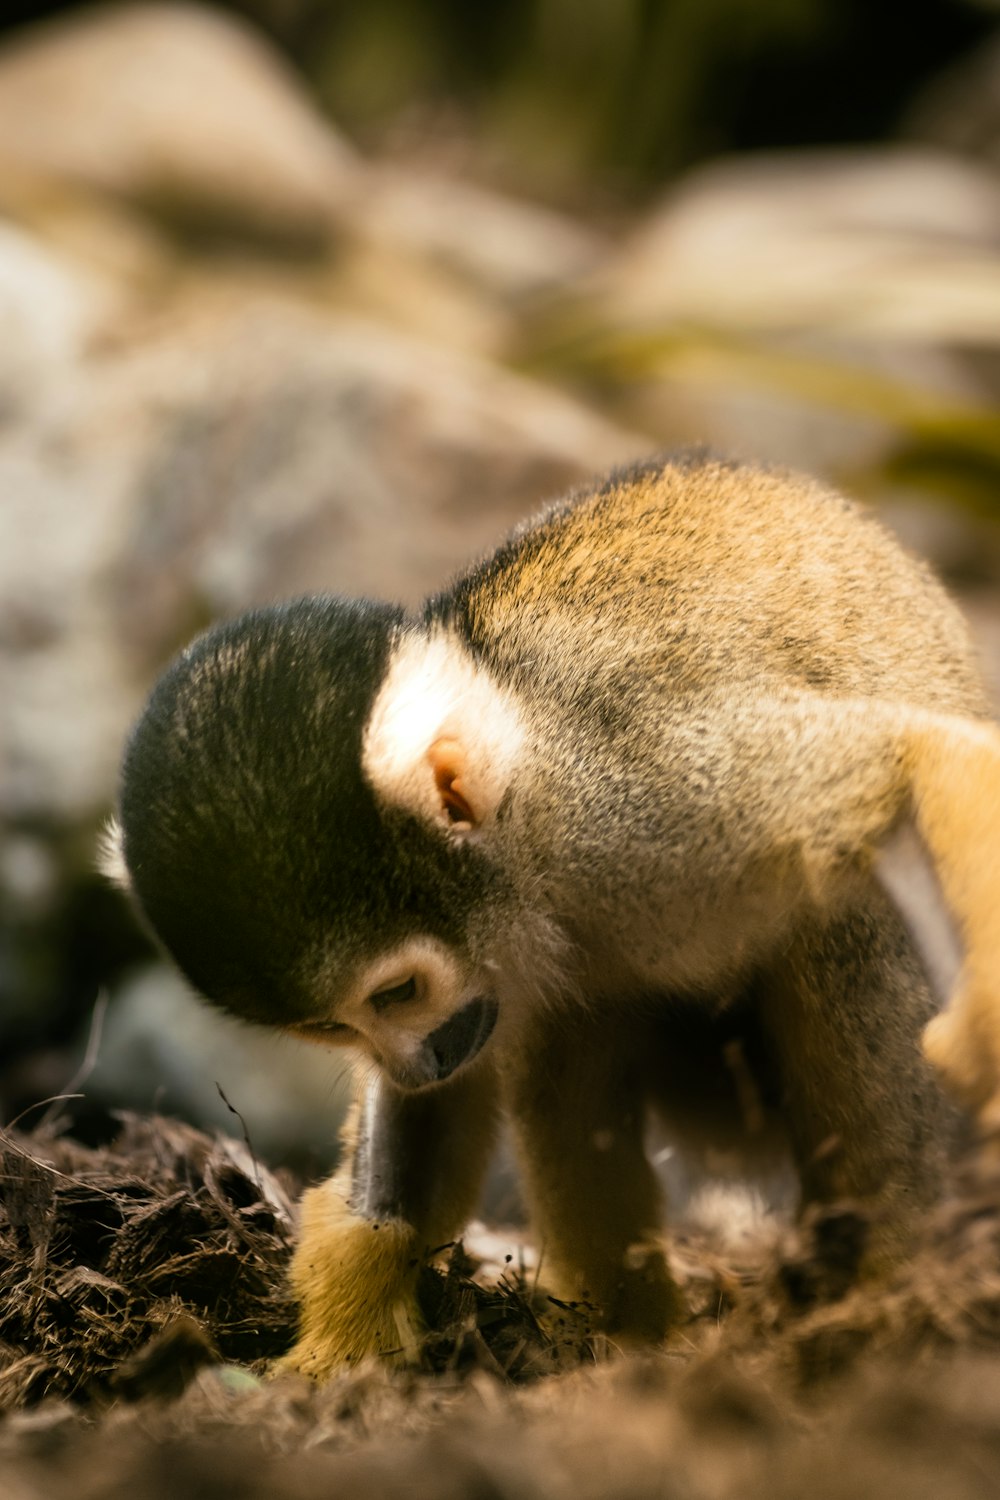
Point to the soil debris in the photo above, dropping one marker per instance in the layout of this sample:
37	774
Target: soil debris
142	1294
161	1252
125	1270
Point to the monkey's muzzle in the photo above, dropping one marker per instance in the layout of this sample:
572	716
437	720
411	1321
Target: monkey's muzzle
458	1039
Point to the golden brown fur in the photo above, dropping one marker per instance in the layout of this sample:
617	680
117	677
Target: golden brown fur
665	730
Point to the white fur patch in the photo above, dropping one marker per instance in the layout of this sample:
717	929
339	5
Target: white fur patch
433	690
110	859
418	957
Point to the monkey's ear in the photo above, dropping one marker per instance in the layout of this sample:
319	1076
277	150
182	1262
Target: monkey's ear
443	739
449	764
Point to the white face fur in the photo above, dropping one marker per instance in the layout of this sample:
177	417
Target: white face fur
111	856
394	1004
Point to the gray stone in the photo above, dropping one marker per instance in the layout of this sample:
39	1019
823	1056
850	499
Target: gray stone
272	453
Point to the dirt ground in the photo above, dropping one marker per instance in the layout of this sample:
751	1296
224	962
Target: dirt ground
141	1296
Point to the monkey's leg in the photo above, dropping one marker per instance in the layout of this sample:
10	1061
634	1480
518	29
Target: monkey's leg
577	1109
844	1006
412	1169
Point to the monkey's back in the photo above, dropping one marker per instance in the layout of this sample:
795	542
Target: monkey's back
697	574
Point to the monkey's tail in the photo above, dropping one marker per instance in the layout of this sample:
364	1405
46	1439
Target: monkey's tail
954	775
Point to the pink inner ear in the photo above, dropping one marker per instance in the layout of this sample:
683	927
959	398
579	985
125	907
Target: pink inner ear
446	762
455	805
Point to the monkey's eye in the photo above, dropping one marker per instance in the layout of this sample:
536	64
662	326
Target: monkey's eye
322	1031
325	1028
396	995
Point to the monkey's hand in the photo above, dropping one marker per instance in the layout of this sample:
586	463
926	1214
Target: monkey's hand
963	1044
355	1280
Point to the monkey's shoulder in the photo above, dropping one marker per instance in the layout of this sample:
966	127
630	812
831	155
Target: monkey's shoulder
700	568
679	527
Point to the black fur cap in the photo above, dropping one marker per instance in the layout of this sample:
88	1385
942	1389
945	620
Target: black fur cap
256	851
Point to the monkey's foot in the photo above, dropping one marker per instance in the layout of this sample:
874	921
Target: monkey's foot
355	1280
963	1045
635	1302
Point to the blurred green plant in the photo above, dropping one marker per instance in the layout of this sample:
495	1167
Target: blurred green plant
578	96
598	99
938	444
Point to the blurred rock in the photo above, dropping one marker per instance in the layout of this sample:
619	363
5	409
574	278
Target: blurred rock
805	308
337	454
870	244
453	262
501	246
49	310
181	111
163	1050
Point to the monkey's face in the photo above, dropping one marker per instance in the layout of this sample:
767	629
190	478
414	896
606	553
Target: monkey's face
418	1011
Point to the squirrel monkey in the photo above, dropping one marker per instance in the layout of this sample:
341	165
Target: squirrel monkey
646	755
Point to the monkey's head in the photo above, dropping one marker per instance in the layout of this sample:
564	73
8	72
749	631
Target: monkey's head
304	826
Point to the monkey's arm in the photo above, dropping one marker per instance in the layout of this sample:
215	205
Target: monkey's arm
412	1169
831	779
955	769
576	1104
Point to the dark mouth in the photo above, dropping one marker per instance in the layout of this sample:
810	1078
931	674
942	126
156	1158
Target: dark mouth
458	1039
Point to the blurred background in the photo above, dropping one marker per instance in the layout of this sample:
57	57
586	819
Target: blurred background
325	294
